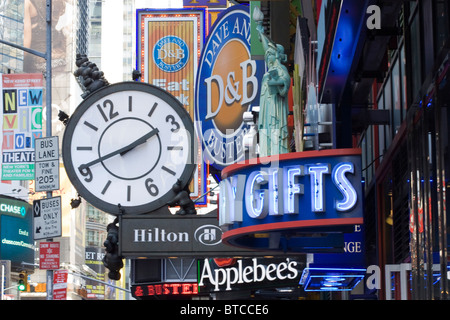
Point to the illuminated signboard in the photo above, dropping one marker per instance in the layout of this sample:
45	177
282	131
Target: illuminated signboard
248	273
168	49
337	271
331	279
16	233
166	235
21	100
165	289
286	196
227	85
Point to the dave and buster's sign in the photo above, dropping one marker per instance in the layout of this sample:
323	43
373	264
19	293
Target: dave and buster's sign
227	86
282	198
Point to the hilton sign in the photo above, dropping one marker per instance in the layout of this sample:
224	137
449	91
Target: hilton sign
166	235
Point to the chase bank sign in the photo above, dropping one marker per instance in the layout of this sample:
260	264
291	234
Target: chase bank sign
280	201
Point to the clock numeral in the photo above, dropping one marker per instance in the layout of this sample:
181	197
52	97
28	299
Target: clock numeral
174	148
168	170
152	109
128	193
90	125
106	187
112	113
84	148
173	122
86	172
151	188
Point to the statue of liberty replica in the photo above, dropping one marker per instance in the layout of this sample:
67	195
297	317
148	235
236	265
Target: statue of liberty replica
274	109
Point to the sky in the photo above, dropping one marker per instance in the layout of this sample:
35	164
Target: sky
159	3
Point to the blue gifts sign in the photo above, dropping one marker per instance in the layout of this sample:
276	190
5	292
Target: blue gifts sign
290	197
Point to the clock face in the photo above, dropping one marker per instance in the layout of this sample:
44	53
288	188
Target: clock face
128	144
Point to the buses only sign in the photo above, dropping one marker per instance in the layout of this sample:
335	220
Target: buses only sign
47	218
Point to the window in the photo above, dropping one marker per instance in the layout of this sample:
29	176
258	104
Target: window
396	97
416	65
403	81
381	129
441	33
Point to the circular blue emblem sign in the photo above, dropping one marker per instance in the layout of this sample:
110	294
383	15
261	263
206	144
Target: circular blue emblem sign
170	53
227	86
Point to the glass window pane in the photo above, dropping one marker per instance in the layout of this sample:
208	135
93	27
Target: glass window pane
396	97
388	106
381	128
403	81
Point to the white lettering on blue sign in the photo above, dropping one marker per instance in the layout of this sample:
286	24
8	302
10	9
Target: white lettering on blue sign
255	196
344	186
277	192
231	189
293	189
317	186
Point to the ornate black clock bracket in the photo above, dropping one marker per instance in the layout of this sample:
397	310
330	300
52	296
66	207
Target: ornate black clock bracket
89	76
182	199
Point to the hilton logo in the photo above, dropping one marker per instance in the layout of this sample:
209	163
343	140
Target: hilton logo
208	235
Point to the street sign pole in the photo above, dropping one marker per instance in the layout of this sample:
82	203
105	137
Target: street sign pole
48	102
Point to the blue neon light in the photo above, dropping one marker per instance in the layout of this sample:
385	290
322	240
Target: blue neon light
331	279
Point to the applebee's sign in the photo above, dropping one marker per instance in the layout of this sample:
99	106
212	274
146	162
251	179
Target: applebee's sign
248	273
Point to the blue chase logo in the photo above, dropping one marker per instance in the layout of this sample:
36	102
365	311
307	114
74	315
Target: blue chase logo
227	86
170	53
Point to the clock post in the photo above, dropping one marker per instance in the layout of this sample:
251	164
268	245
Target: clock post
128	149
48	104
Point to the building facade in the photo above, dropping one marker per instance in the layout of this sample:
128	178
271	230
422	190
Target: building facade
395	102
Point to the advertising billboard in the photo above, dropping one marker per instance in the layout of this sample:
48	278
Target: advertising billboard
16	231
227	86
252	273
293	198
168	49
21	99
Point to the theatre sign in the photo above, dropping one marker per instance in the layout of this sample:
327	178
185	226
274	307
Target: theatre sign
282	202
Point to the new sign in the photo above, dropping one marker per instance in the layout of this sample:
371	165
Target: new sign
288	195
21	102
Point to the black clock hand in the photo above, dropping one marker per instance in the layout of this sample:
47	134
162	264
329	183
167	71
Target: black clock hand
138	142
121	151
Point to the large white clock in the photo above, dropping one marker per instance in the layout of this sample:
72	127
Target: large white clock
126	145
